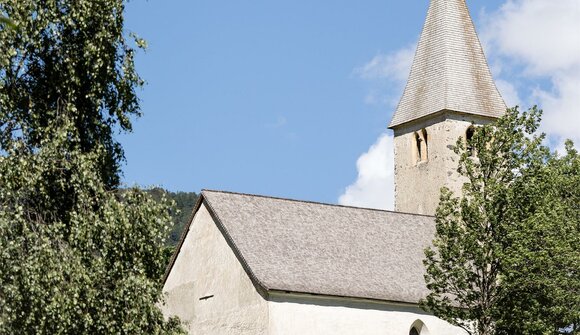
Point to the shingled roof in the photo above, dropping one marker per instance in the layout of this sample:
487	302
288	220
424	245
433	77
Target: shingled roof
449	71
307	247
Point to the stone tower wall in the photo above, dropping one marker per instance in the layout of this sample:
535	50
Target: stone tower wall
418	179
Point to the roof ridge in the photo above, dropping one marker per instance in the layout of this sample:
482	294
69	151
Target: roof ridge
315	202
485	58
446	55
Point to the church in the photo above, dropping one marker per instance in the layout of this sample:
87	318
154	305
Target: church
251	264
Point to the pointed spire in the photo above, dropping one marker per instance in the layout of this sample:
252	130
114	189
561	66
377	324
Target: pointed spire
449	71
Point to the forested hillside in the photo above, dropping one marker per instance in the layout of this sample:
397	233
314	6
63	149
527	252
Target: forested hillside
184	202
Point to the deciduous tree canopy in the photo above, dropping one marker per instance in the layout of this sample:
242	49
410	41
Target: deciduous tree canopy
92	268
68	56
506	257
77	255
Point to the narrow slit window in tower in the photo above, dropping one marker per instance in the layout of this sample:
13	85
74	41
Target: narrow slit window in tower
424	146
418	147
468	137
414	331
421	149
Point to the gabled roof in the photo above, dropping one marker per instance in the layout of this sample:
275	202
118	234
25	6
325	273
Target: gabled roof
307	247
449	71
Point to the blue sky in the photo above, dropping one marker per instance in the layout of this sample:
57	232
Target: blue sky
269	97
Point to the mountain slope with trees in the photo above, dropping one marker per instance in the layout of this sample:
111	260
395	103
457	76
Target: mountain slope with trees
180	213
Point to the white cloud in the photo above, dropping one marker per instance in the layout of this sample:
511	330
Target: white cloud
544	34
562	106
387	74
540	40
374	187
393	66
281	121
509	93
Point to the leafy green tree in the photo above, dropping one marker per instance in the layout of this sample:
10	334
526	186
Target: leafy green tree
68	56
505	258
77	255
93	269
6	22
180	215
184	203
540	291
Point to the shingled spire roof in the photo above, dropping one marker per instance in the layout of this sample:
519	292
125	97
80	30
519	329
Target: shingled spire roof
449	71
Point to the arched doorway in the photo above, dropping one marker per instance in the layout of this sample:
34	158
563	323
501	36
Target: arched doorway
418	328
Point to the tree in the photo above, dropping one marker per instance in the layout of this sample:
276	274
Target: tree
68	56
5	21
180	215
77	255
95	268
540	291
505	258
184	204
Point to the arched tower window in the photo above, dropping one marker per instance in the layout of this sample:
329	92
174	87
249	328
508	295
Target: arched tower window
414	331
421	149
468	137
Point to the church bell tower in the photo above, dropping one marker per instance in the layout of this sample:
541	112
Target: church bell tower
450	89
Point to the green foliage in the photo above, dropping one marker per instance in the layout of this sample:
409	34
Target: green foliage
181	214
4	21
77	256
506	255
541	260
68	56
92	265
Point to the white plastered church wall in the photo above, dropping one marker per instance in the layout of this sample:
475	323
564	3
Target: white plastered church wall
303	315
206	268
